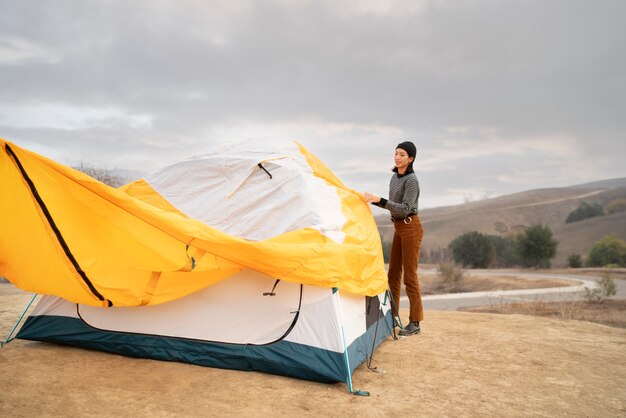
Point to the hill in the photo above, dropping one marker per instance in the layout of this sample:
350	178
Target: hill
511	214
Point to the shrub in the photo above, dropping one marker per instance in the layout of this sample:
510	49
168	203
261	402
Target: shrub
606	289
451	276
584	211
536	246
472	249
618	205
608	250
575	261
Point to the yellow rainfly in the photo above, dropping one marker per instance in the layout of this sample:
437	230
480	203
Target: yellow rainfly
64	233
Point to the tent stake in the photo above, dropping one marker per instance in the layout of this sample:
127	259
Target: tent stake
9	339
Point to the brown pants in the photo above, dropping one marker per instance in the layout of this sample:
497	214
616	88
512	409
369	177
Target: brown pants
405	251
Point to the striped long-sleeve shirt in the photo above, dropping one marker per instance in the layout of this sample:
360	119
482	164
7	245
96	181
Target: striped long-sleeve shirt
404	192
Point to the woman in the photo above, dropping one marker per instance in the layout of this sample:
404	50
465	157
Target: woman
404	192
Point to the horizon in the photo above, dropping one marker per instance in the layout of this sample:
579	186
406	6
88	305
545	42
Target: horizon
137	175
131	174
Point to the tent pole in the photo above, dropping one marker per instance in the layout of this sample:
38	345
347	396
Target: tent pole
345	351
9	339
371	356
392	303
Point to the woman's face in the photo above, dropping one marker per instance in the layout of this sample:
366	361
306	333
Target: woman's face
402	159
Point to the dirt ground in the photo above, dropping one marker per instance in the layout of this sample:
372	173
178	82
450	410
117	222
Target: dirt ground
463	364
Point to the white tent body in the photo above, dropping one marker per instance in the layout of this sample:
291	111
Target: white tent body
228	190
249	321
299	331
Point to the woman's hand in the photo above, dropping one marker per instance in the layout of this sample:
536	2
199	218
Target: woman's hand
371	198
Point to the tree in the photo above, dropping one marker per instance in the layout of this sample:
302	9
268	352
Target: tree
505	251
575	261
472	249
536	246
608	250
584	211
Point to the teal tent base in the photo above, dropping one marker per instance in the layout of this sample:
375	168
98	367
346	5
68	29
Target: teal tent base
282	357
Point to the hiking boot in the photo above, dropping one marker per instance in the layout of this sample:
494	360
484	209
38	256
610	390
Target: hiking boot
412	328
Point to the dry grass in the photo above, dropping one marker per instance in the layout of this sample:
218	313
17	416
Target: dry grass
614	273
610	312
433	284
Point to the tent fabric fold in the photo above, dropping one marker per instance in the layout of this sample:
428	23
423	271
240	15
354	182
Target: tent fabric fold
66	234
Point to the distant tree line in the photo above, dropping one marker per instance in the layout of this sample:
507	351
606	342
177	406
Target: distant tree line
532	248
434	255
586	210
609	251
617	205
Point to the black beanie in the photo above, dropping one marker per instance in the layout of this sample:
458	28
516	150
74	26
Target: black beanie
409	147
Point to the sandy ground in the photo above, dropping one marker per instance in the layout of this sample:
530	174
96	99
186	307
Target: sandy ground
463	364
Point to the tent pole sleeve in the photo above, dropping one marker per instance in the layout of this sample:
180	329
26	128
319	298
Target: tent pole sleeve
53	225
345	351
9	339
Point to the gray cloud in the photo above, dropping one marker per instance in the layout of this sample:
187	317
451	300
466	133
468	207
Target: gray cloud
479	85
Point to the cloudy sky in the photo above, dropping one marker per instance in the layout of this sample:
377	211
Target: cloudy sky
499	96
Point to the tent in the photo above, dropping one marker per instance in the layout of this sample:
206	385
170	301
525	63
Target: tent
252	256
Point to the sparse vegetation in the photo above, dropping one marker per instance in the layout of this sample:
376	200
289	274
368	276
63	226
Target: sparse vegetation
608	250
435	255
584	211
473	249
451	277
536	246
617	205
575	261
433	283
610	312
605	290
570	310
100	174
